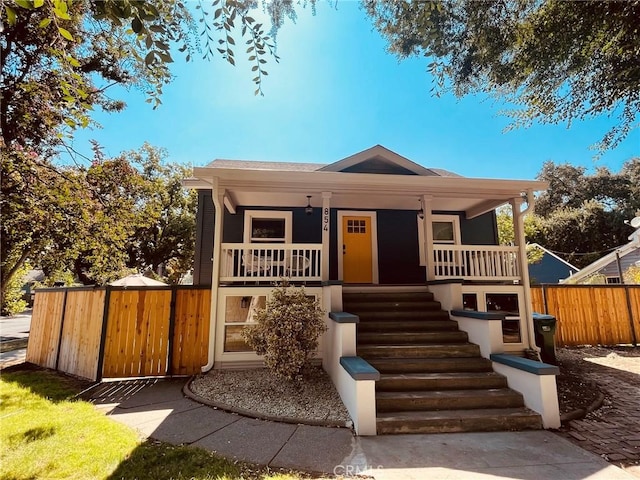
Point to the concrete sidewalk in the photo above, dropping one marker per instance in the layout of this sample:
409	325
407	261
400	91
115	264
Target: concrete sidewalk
158	409
12	357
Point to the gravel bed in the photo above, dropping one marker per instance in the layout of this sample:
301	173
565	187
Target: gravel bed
257	391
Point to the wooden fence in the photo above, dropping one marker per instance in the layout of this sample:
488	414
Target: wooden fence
117	332
591	314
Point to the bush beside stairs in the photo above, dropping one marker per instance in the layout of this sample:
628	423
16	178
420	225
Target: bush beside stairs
432	380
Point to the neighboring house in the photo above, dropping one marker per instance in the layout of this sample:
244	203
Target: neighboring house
373	227
612	264
550	269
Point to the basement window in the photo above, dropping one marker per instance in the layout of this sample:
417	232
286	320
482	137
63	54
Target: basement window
240	311
506	303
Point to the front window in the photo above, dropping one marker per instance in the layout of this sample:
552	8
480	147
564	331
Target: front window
443	232
445	228
267	226
268	230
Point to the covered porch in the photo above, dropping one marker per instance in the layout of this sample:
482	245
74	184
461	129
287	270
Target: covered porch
448	222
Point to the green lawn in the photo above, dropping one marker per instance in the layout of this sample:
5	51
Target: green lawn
44	433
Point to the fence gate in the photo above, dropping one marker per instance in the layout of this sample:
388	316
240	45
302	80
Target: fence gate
118	332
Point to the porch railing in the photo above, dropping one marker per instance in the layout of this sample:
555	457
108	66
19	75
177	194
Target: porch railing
270	262
476	262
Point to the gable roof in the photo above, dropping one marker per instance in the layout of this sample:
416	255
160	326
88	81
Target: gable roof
374	156
384	155
631	247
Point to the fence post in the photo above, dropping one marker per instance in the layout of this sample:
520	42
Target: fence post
634	339
63	314
172	327
103	336
544	299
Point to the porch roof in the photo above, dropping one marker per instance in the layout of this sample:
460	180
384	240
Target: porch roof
272	188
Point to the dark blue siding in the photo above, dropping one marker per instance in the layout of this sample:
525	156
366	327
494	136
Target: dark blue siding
549	270
482	230
375	165
398	254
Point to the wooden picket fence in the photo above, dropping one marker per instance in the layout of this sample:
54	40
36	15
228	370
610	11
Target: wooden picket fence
591	314
117	332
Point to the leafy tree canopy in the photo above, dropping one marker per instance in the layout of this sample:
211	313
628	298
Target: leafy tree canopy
583	215
100	221
560	61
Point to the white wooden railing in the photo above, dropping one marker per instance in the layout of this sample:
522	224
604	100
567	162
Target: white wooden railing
476	262
270	262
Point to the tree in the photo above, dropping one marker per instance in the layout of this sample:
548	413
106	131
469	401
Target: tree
583	216
128	212
560	61
506	233
166	245
40	206
632	275
59	57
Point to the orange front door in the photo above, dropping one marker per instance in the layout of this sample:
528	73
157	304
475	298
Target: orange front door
357	261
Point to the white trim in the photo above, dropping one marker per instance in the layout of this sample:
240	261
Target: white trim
454	219
374	241
249	215
269	188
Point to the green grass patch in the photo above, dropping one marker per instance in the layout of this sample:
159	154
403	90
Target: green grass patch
45	433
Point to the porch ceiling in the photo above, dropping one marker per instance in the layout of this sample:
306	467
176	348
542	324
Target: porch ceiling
363	191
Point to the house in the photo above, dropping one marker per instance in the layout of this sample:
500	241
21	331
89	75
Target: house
395	252
550	269
613	265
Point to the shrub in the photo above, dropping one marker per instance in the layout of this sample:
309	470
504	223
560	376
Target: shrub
287	331
632	275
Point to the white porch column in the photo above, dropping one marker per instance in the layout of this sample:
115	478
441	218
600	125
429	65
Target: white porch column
326	231
523	264
218	203
428	236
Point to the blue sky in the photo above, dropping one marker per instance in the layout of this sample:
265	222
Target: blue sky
335	92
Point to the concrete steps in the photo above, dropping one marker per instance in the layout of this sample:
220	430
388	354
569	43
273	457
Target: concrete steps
449	421
447	399
399	382
451	350
432	379
402	338
429	365
402	326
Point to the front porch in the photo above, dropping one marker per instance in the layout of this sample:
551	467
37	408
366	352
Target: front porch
270	262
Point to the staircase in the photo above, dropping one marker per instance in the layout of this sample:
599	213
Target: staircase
432	380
